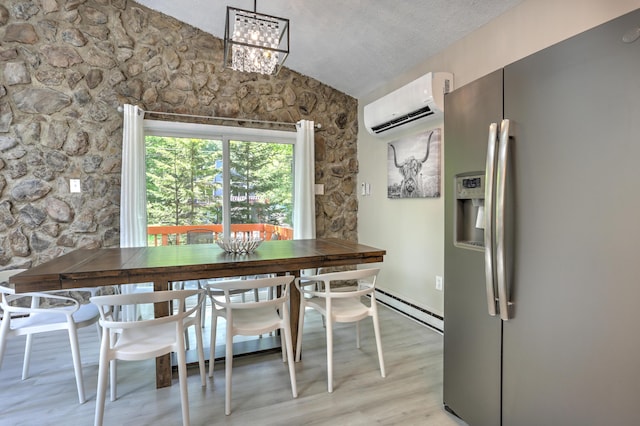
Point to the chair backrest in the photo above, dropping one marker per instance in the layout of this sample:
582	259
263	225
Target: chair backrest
109	305
362	281
228	288
22	304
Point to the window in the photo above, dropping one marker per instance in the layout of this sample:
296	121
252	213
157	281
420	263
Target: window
231	181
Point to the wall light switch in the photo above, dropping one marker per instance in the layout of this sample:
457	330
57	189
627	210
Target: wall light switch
74	185
319	188
438	282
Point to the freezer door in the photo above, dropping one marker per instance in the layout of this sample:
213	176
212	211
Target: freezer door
571	349
472	338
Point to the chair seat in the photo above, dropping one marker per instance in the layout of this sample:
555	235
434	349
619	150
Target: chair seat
141	343
342	310
251	322
86	314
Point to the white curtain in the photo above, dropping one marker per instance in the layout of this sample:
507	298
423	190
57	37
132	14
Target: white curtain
133	192
304	210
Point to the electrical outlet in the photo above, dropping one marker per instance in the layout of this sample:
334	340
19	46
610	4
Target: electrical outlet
74	185
438	282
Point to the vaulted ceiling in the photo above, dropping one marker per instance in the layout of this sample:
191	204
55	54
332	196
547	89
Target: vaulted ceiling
355	46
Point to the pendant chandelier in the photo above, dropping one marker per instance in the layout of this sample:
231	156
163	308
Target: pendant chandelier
254	42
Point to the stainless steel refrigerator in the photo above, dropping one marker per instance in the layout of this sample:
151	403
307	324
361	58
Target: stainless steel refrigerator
542	233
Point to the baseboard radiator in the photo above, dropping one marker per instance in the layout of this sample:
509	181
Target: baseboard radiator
416	313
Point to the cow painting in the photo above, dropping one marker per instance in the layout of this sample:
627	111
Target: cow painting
414	166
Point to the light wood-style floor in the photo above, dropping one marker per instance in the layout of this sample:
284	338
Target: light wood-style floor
411	394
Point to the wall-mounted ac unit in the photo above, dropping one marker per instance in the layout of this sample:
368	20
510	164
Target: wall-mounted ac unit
415	103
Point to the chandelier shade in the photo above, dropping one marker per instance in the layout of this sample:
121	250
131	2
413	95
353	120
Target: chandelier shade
254	42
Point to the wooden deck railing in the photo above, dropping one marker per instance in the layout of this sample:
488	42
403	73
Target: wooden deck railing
165	235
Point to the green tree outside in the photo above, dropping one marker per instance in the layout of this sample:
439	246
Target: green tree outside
261	182
184	181
180	175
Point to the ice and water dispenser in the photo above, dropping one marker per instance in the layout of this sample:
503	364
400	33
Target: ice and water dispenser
469	211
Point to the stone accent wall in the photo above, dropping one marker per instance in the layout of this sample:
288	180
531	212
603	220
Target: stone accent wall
66	66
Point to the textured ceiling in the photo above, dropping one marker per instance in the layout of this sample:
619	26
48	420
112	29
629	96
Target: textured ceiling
355	46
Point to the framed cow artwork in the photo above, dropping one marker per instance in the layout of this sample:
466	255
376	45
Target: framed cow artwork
413	166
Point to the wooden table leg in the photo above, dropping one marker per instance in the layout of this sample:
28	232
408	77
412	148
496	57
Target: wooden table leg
294	312
163	363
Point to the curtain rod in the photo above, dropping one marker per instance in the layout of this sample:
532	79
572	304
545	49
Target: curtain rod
209	117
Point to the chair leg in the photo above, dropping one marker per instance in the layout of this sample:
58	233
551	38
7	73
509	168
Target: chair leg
376	330
113	379
186	331
200	350
103	367
203	311
300	327
182	374
329	355
358	334
289	350
4	332
283	346
270	297
256	298
212	343
77	363
27	357
228	365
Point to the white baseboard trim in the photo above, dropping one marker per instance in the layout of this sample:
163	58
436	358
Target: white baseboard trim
416	313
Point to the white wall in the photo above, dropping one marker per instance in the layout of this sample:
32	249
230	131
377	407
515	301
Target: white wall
411	230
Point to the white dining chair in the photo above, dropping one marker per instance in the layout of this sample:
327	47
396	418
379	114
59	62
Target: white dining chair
28	314
338	296
139	339
246	317
203	236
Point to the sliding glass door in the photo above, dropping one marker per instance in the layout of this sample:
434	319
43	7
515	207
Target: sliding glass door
221	185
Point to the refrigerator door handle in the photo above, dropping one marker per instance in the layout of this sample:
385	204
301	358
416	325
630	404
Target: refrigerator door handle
500	206
489	258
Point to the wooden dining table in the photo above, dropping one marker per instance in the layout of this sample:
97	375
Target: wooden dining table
166	264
